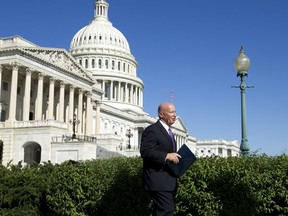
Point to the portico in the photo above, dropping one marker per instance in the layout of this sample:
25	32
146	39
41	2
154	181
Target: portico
31	95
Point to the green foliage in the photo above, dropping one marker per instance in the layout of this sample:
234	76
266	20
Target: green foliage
126	192
254	185
22	189
98	187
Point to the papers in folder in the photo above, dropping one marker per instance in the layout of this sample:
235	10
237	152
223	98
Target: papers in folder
186	160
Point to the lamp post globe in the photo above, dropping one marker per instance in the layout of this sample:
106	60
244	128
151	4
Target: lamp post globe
242	63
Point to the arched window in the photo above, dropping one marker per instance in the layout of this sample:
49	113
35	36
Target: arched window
119	66
113	64
123	67
86	63
93	63
99	63
106	64
32	153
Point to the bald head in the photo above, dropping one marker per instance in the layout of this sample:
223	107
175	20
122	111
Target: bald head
167	113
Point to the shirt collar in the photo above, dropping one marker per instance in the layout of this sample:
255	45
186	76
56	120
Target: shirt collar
164	125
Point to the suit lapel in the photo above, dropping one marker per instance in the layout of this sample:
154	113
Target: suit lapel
164	132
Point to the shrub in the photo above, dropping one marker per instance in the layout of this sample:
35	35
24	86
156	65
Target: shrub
255	185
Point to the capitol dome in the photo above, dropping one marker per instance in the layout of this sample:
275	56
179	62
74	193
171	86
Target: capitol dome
104	51
100	33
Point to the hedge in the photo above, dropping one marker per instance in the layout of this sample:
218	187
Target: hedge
254	185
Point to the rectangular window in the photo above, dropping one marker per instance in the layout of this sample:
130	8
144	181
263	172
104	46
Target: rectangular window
106	64
18	90
86	63
229	152
107	90
5	86
113	65
99	63
3	115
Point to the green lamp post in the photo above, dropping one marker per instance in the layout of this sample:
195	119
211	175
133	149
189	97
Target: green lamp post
242	65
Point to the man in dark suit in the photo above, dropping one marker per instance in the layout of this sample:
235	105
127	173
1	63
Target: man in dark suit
157	147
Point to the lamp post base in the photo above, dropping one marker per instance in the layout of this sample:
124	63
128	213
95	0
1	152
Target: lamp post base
244	147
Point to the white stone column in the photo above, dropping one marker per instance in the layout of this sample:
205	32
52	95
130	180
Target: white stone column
1	101
141	97
51	98
131	94
103	89
97	117
135	95
13	92
26	100
61	101
39	99
80	105
122	92
119	92
89	114
71	107
1	69
126	93
111	90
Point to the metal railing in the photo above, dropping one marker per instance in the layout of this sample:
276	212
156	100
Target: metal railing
79	138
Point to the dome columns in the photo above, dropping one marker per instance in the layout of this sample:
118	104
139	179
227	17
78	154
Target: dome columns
101	9
123	92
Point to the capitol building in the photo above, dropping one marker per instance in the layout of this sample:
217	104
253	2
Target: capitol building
81	104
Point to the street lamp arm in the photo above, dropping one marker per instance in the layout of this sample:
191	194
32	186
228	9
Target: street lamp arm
240	87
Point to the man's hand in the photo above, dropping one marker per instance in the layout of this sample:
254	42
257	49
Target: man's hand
173	157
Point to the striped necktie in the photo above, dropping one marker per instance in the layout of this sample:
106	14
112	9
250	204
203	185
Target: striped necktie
172	138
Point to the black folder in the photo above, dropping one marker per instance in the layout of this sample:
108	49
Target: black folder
186	160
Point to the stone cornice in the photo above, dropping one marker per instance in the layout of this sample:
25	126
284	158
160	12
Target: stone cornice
62	61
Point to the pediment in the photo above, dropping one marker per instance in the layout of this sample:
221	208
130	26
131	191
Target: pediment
179	124
60	58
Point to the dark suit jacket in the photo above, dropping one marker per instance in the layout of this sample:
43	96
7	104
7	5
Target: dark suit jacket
155	144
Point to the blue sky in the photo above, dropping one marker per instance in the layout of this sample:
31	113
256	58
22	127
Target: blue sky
187	47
